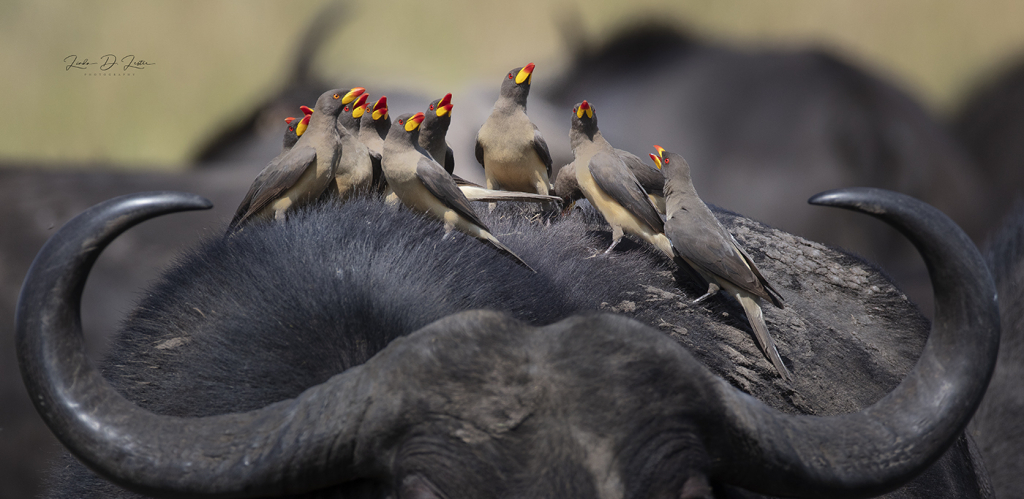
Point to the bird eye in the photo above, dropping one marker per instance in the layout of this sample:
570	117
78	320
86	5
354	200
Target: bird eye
401	122
346	109
291	129
431	107
510	76
665	160
337	96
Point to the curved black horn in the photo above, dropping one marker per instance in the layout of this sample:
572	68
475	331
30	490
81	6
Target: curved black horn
885	445
235	455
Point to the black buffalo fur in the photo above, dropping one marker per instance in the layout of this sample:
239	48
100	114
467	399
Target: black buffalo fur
257	317
278	307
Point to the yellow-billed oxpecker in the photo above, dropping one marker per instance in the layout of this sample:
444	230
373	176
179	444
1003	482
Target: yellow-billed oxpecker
607	183
423	185
649	177
291	136
300	175
514	155
432	138
355	169
436	121
373	127
703	243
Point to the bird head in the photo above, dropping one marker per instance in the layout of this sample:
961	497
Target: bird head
380	109
669	162
330	102
350	113
410	122
584	119
516	84
442	107
359	107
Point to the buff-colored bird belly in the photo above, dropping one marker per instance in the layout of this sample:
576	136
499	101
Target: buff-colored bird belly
521	171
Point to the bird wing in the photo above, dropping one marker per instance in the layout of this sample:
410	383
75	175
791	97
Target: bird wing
479	150
611	176
441	185
279	176
773	294
449	159
649	177
541	146
700	239
459	181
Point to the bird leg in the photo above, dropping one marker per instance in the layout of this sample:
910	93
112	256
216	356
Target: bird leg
614	243
712	289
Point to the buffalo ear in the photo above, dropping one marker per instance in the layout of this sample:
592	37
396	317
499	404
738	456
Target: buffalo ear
696	487
417	487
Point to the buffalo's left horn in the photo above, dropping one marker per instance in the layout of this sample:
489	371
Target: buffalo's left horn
284	448
887	444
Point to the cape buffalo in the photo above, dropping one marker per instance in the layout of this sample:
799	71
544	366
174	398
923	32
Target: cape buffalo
345	353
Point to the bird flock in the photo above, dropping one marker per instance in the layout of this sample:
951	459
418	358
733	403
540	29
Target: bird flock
345	146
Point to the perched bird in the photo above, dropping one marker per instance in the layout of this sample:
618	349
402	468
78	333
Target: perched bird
373	127
650	179
354	172
514	155
423	185
290	135
350	114
302	173
703	243
607	183
434	129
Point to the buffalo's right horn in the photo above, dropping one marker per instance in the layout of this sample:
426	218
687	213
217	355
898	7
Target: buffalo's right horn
885	445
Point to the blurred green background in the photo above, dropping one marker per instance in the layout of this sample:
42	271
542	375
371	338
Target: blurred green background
215	59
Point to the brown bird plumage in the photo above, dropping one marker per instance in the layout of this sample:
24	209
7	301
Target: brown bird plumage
302	173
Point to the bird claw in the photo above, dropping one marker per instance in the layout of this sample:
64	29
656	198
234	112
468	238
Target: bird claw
712	290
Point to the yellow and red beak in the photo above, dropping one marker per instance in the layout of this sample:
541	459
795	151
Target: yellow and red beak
585	108
352	94
306	110
360	106
414	122
301	127
445	106
661	150
657	160
525	74
380	109
289	120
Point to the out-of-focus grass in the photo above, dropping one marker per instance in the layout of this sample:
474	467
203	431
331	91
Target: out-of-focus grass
213	59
